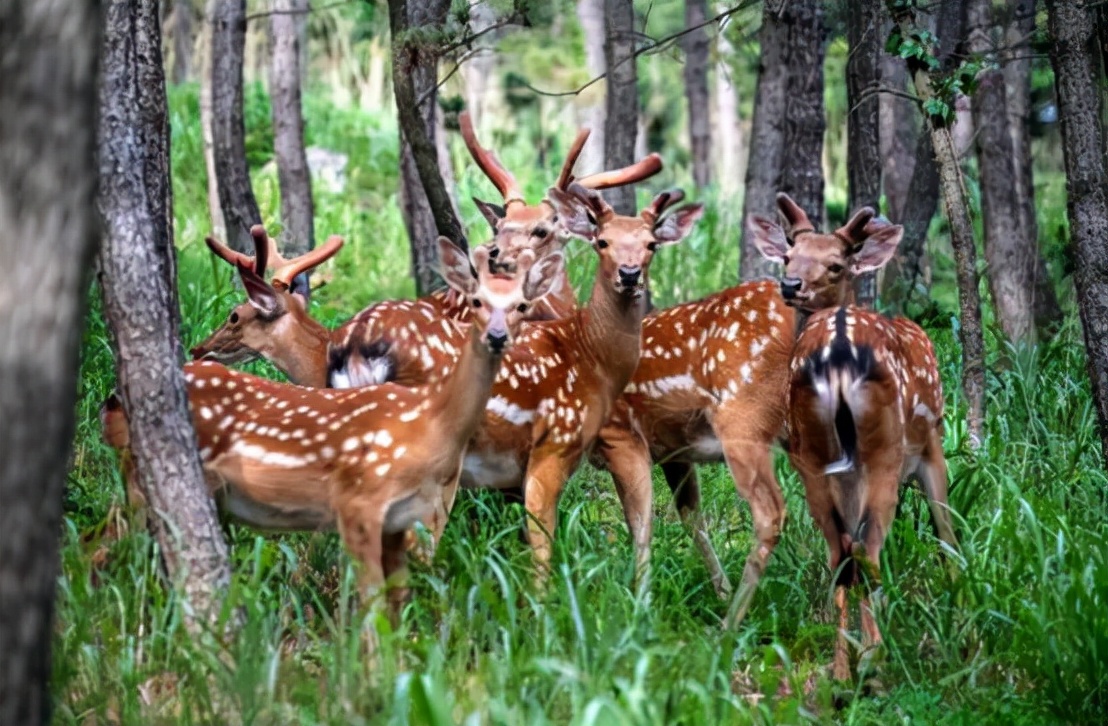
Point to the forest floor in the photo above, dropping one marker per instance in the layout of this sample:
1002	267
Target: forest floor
1013	627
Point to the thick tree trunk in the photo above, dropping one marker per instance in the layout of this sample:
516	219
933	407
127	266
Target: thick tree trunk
696	46
961	239
788	115
48	235
138	276
898	133
236	196
1017	81
182	40
293	175
1078	80
1009	247
863	76
425	201
621	122
215	212
590	13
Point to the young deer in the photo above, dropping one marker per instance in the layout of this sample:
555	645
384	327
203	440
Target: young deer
372	460
865	401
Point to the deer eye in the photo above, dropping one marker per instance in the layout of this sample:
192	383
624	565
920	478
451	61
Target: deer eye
602	243
522	307
835	269
476	303
785	260
652	246
540	232
234	317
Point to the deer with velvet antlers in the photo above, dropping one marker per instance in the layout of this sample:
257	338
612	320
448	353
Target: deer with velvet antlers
371	460
865	401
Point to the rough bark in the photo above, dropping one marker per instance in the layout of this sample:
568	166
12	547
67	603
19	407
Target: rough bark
729	148
182	40
1016	62
425	201
236	196
479	70
1009	247
786	138
138	277
695	45
956	205
215	212
621	121
293	175
590	13
863	163
1078	80
898	134
48	235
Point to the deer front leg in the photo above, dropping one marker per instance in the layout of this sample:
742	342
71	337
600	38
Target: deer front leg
627	458
683	482
545	478
394	562
360	524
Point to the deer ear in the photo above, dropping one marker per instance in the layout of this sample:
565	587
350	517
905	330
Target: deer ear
677	225
492	213
572	213
877	250
261	294
455	267
545	276
768	238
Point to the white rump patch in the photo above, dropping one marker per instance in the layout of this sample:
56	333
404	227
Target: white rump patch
510	412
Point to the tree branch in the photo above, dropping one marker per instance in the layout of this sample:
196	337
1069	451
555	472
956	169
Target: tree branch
267	13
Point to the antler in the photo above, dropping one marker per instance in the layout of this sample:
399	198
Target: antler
287	270
660	203
592	198
642	169
566	176
857	229
256	263
795	217
494	170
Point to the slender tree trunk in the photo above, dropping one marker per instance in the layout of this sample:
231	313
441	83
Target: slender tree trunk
1079	79
479	71
730	163
788	115
215	212
590	13
961	238
293	175
1017	80
236	196
182	40
426	202
863	76
1009	248
898	133
696	47
138	276
48	235
621	122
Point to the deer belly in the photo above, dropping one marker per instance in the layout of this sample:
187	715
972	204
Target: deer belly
491	470
416	507
273	515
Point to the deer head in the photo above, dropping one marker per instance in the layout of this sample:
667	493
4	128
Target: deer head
256	327
519	226
626	245
819	267
499	301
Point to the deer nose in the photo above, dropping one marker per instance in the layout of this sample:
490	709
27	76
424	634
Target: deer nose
497	341
790	286
629	276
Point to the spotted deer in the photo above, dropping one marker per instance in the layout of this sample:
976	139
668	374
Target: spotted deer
865	401
371	460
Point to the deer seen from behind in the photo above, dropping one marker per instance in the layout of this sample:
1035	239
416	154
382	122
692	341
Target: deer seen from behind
865	400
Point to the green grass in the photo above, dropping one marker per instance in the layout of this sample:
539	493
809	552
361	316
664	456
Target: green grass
1021	635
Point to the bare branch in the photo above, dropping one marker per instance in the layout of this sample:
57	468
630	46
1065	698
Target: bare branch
267	13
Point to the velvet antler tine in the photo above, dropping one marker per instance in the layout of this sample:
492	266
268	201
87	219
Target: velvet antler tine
571	158
283	276
487	161
261	249
227	254
642	169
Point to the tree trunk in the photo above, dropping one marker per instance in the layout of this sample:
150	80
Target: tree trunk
425	201
215	212
729	151
138	276
1009	247
1046	310
182	40
961	238
695	45
788	114
293	175
898	133
48	235
621	121
1078	80
479	71
236	196
590	13
863	76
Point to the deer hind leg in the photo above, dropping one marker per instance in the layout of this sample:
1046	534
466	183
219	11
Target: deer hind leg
394	565
683	482
545	478
933	477
627	458
882	495
752	469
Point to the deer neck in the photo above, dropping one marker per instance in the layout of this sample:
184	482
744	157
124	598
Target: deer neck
301	351
461	398
611	331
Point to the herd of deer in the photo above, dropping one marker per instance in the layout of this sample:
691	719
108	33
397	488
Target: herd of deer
503	381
